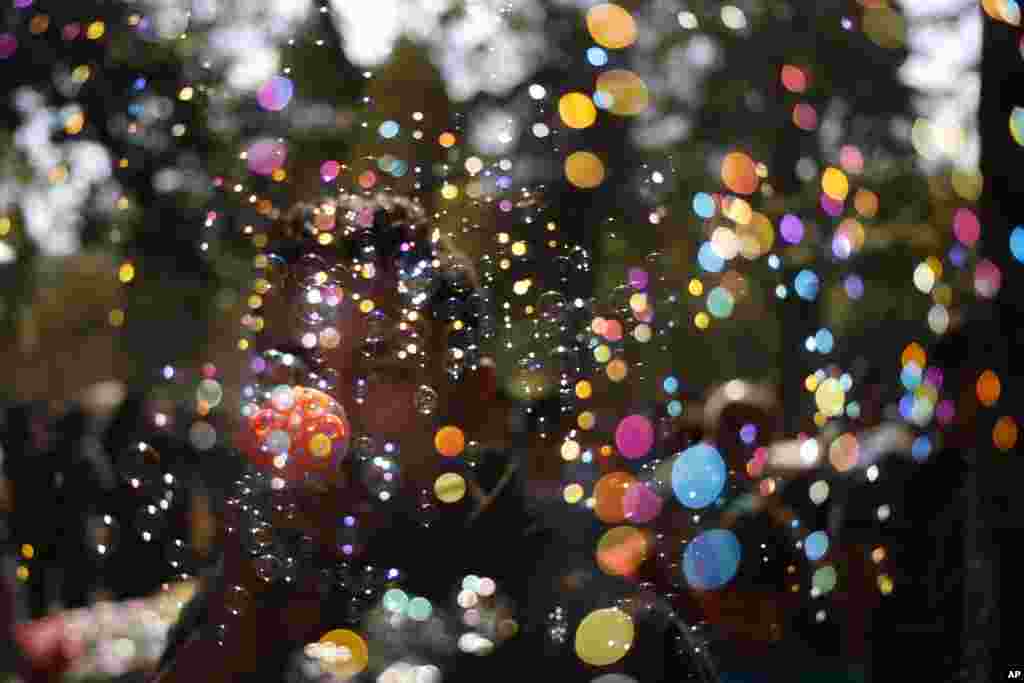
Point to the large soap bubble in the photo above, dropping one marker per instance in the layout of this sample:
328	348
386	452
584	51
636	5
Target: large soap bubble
710	561
604	636
698	476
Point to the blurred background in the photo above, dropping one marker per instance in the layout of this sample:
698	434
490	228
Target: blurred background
825	193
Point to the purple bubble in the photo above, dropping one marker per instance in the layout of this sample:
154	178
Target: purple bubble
638	278
854	286
933	376
831	206
23	4
945	412
8	44
791	228
634	436
640	503
266	156
276	93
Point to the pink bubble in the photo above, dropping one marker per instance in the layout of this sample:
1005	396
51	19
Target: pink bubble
276	93
8	45
266	156
851	159
329	170
831	206
966	227
987	279
634	436
640	503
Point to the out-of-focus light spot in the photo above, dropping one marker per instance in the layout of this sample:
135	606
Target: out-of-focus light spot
577	110
1004	434
584	170
739	173
711	559
611	26
988	388
628	92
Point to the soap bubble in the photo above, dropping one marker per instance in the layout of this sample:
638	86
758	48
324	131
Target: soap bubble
426	400
710	561
698	476
604	636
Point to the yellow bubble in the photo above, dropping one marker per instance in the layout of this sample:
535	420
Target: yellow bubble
702	320
756	237
353	642
584	170
450	487
586	420
830	397
611	26
835	184
572	493
27	551
449	191
320	445
604	636
629	94
602	353
696	287
577	110
570	450
584	389
642	333
116	317
126	273
96	30
21	573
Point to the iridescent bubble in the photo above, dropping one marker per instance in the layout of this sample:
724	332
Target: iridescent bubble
8	45
830	397
698	476
275	93
703	205
389	129
721	302
816	545
634	436
710	561
426	400
419	609
708	259
395	600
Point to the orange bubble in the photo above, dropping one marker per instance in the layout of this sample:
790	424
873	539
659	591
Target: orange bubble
608	496
584	170
739	173
866	203
577	110
622	550
359	656
1004	434
914	353
449	441
988	388
446	139
611	26
628	92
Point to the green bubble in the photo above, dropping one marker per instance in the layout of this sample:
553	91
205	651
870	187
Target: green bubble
419	609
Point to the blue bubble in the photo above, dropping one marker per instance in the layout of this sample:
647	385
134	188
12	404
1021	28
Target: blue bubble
921	448
597	56
603	100
806	285
675	408
720	302
703	205
958	255
816	545
911	376
388	129
698	476
709	260
907	406
824	341
670	385
710	561
854	286
1017	243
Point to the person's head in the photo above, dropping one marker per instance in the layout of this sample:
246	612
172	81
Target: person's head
389	321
